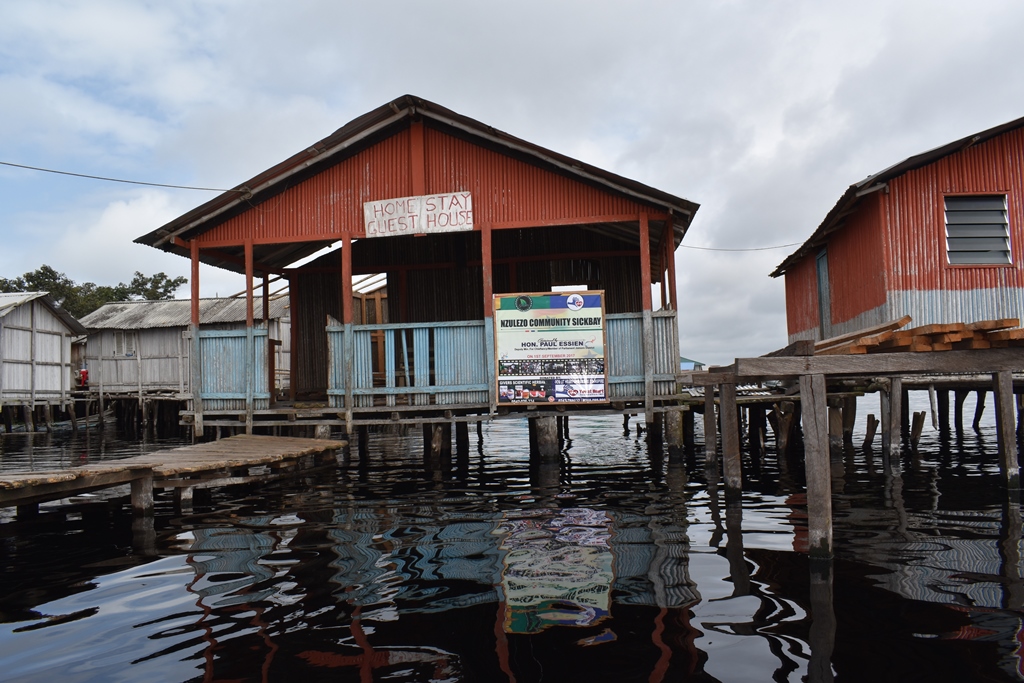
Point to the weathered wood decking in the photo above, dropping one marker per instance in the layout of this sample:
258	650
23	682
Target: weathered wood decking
217	463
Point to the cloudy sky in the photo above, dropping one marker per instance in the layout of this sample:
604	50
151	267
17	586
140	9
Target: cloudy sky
762	112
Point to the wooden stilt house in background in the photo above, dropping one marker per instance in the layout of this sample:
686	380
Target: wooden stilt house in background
938	237
137	349
35	353
496	215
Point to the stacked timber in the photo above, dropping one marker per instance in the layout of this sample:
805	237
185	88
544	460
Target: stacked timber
894	337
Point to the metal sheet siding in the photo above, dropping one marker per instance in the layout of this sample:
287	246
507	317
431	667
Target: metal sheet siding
857	263
917	229
231	369
624	354
943	306
460	358
802	300
507	190
328	203
504	188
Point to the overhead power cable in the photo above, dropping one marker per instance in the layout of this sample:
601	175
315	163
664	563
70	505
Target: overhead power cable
777	246
119	180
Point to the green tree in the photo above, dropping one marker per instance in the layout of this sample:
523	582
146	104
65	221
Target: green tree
81	299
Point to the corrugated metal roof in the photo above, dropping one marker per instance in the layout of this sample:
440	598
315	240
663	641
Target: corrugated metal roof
137	315
12	300
367	130
855	192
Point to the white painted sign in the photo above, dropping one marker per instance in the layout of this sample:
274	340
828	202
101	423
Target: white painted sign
450	212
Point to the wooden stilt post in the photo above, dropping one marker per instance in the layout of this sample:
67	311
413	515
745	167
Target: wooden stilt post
1002	386
142	495
655	428
849	417
446	442
916	428
8	420
835	424
942	399
30	423
195	360
710	427
183	497
648	320
904	413
979	409
819	472
756	426
891	410
871	428
547	437
1019	400
732	458
462	438
674	428
959	397
689	442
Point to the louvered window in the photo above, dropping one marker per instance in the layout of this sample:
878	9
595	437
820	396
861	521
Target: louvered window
124	344
977	232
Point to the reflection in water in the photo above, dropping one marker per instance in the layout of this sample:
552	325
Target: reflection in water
616	565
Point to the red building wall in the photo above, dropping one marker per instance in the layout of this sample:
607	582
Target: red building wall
506	192
801	299
917	226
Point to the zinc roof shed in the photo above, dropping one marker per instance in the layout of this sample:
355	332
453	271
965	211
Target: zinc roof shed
938	236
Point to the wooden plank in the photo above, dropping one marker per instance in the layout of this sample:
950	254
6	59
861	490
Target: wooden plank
999	324
220	456
814	416
875	339
939	328
875	329
982	361
844	349
801	347
1006	335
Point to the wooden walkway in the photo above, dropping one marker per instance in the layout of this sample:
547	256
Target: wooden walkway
216	463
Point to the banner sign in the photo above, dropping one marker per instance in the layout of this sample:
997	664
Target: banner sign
550	347
450	212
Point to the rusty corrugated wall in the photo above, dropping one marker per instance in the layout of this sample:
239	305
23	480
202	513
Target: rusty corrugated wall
505	190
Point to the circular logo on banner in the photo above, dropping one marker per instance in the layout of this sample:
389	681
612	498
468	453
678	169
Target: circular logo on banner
574	301
524	303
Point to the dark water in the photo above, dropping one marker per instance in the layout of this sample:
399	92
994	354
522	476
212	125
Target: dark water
616	566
